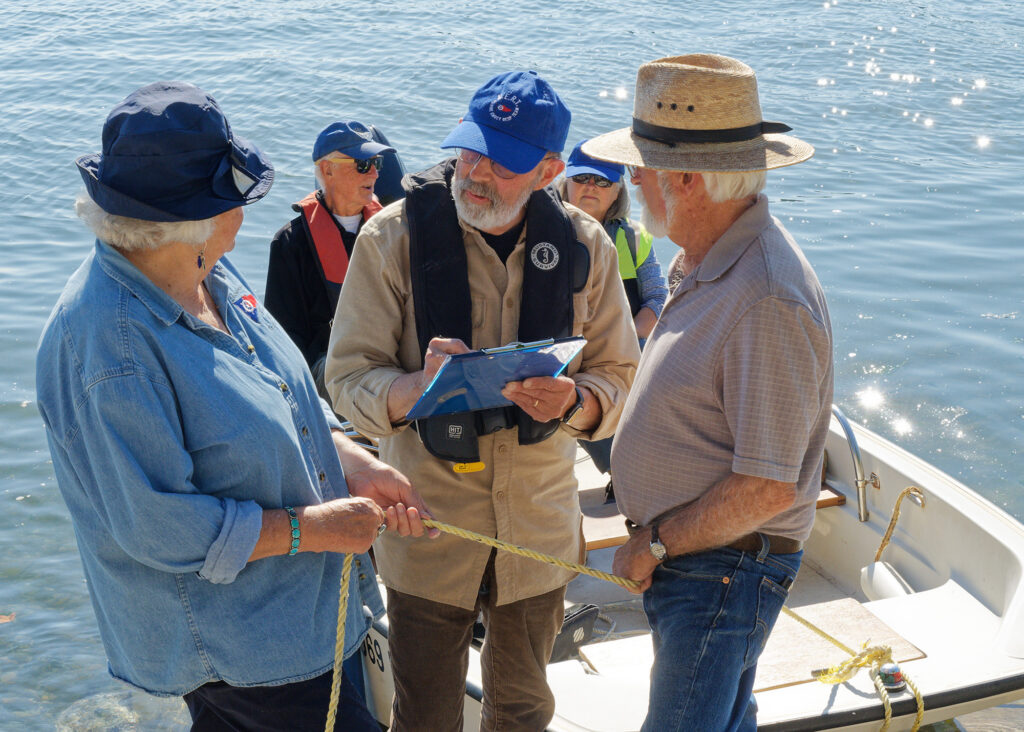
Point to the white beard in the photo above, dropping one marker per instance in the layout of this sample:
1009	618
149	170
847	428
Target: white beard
656	227
486	217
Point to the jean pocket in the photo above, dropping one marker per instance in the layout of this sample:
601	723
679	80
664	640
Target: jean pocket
771	596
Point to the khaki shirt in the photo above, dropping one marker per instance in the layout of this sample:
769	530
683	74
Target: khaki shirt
526	494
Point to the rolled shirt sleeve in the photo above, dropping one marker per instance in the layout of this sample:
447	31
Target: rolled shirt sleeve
134	465
771	370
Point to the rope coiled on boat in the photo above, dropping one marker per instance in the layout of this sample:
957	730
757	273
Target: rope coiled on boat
872	657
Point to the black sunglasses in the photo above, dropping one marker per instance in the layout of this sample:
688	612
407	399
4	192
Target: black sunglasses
362	166
583	178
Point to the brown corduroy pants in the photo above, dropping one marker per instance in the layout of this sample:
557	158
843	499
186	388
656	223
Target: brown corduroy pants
429	645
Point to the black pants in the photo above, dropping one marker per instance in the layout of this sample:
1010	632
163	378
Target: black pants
298	707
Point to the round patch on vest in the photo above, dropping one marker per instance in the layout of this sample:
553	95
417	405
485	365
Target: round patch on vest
544	256
505	107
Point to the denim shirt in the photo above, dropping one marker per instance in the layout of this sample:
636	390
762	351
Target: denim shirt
168	439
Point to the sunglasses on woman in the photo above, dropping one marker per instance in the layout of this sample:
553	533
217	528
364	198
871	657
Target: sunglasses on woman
583	178
362	166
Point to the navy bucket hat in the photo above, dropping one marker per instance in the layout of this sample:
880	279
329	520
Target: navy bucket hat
513	119
169	155
579	163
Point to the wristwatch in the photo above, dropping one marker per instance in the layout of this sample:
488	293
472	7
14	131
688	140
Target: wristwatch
658	550
575	408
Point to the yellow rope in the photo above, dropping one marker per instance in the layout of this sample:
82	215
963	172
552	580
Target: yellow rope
530	553
811	626
869	657
339	644
909	490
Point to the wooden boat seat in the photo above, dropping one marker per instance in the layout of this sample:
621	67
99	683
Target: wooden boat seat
604	526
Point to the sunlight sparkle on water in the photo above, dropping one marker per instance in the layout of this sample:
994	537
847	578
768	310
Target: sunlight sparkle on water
620	93
980	83
871	398
956	101
902	426
984	141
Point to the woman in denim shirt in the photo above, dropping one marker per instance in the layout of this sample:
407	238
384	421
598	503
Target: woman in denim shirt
212	492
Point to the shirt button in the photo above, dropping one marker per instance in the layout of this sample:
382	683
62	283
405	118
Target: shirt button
359	563
322	476
501	494
305	432
362	576
502	449
284	388
252	348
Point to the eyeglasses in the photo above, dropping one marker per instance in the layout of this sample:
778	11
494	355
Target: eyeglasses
583	178
362	166
472	157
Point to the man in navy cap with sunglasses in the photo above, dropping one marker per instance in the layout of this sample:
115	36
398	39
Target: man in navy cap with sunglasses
309	256
482	253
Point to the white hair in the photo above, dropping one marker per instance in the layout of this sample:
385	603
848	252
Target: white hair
131	234
723	187
317	174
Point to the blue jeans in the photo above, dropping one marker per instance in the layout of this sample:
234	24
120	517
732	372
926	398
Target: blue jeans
710	615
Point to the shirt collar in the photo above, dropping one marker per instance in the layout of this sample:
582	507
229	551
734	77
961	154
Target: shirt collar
731	245
164	307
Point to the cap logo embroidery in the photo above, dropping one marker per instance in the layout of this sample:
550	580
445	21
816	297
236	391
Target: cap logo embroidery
505	107
248	305
455	432
544	256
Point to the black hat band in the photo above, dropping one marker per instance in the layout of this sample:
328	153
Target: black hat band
672	135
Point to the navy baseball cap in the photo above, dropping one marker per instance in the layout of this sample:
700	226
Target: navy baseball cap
349	138
169	155
514	119
581	163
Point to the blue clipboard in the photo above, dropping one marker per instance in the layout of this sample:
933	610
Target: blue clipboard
467	382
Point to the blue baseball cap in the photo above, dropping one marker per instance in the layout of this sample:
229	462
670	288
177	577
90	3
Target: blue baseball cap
580	163
169	155
349	138
514	119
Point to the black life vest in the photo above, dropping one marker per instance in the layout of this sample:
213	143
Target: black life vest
555	266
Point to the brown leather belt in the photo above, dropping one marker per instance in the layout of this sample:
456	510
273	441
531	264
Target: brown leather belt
751	543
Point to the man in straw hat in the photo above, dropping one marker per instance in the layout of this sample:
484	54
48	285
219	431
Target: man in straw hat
718	456
482	252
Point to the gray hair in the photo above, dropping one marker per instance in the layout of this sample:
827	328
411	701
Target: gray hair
723	187
131	234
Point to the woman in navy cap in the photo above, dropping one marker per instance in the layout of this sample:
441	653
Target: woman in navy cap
211	491
596	187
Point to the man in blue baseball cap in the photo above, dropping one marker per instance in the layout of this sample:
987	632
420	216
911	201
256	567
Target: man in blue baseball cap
481	253
309	255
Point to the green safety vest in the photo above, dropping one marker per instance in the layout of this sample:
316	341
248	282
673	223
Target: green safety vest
632	254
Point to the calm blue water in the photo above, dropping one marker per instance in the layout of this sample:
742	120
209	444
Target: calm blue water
911	211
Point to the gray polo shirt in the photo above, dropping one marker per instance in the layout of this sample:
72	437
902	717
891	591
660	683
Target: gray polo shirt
736	377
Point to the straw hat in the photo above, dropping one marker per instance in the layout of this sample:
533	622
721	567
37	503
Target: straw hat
699	113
